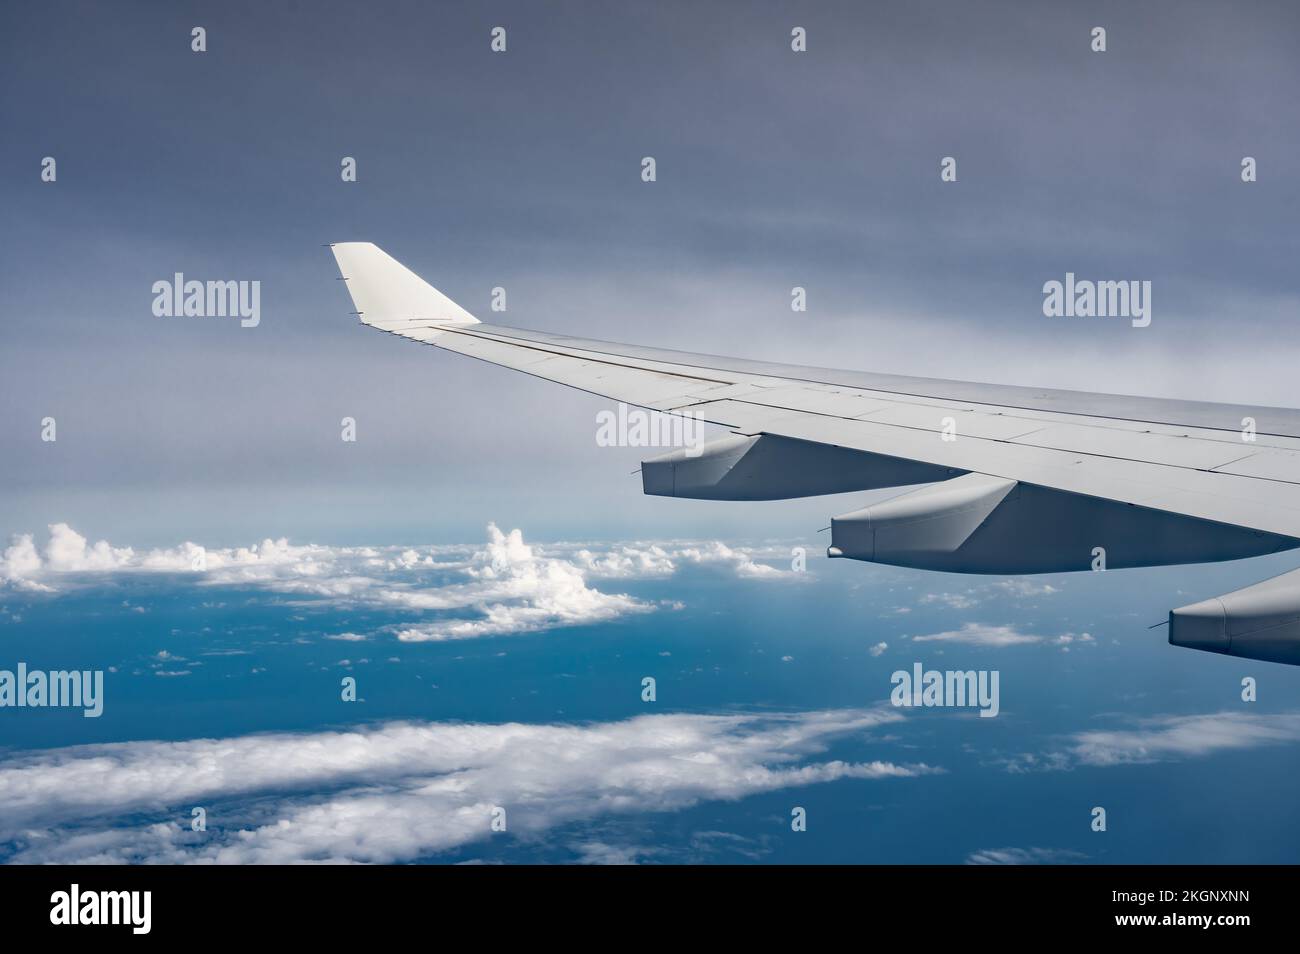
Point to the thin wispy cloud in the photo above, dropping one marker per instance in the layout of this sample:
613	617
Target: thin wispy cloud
1024	856
997	637
1168	738
1014	587
981	634
1172	738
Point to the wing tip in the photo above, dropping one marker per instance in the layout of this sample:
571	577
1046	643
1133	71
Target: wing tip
387	293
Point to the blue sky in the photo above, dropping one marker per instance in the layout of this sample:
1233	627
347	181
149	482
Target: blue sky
521	170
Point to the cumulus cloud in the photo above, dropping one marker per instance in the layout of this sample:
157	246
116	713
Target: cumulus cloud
645	560
20	562
67	552
740	562
520	591
640	562
20	559
402	791
509	586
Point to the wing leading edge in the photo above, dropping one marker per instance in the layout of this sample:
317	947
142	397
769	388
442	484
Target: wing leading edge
1020	480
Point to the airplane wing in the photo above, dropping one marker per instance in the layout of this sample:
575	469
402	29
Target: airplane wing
1016	480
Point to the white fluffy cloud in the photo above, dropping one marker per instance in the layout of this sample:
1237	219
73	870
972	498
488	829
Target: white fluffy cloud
740	562
20	559
636	561
20	562
520	591
508	586
69	552
664	558
402	791
66	552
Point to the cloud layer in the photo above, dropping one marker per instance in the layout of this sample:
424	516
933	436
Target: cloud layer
404	791
508	586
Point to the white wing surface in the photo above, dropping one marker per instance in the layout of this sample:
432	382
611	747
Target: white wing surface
1061	479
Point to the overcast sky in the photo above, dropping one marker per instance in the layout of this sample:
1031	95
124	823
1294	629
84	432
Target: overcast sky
521	169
